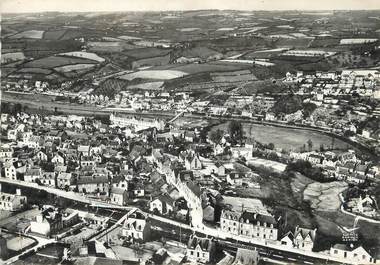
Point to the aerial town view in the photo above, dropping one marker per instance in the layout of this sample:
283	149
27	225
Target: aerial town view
223	135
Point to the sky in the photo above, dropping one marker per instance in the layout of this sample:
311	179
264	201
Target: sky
23	6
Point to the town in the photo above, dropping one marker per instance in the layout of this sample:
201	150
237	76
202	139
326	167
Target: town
147	151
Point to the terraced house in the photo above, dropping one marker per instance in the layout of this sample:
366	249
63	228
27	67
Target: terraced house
249	224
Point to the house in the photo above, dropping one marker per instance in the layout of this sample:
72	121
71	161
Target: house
6	154
48	222
315	159
136	227
200	249
32	174
247	257
93	184
192	162
119	196
163	204
58	159
304	238
41	156
249	224
245	152
48	179
12	202
351	253
287	239
64	180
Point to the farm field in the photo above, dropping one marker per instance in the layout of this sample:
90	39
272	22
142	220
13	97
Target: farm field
29	34
85	55
154	74
56	61
74	67
206	67
12	57
34	70
286	138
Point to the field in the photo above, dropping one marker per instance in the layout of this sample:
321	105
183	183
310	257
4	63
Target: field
324	196
286	138
154	74
11	57
54	35
206	67
29	34
85	55
56	61
35	71
74	67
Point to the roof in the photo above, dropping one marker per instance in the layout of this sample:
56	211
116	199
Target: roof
92	179
256	217
305	232
115	190
194	188
206	244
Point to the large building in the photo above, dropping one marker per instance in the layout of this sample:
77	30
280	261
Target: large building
12	202
136	227
249	224
137	123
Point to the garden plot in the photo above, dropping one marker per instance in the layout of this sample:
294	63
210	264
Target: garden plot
12	57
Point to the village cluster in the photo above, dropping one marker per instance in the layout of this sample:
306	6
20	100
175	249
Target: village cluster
164	171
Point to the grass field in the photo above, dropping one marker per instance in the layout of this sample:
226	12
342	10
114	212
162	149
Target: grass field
17	243
56	61
154	74
85	55
324	196
73	67
286	138
11	57
29	34
35	71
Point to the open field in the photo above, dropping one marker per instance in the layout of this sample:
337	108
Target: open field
12	57
85	55
29	34
56	61
206	67
154	74
34	70
74	67
286	138
324	196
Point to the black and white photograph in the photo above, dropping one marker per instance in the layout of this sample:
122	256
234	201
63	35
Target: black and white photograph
190	132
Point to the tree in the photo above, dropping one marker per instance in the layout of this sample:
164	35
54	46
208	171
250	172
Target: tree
270	146
310	144
215	136
322	147
235	130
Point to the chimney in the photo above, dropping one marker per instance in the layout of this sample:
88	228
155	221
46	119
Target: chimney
18	192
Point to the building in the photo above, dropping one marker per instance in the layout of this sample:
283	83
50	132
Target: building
200	249
93	184
138	123
119	196
136	227
304	238
48	222
64	180
12	202
249	224
351	253
32	174
163	204
48	179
